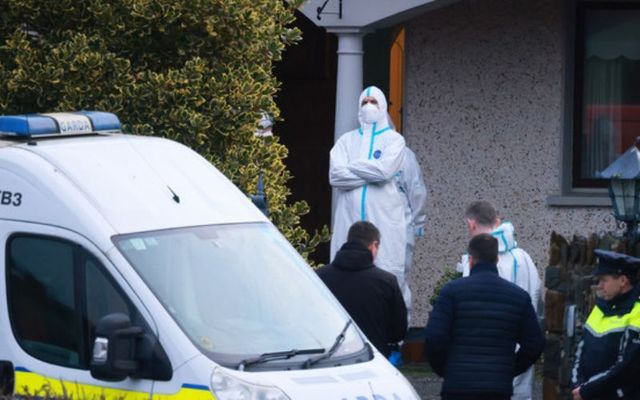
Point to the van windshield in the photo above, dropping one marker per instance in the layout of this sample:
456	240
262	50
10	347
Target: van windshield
240	291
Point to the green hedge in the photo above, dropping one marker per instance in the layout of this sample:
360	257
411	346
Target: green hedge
448	275
196	71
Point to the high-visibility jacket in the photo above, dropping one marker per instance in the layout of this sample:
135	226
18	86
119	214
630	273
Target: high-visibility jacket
608	356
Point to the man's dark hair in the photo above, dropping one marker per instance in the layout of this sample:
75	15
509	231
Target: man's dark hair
482	212
484	249
363	232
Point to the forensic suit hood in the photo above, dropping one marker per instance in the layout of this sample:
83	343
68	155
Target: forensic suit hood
362	169
514	264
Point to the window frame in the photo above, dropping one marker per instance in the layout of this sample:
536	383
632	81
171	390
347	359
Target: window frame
80	256
581	8
572	195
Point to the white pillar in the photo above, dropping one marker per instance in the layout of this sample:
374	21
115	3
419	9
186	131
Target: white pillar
349	80
348	86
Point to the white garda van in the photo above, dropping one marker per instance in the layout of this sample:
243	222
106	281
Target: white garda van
132	268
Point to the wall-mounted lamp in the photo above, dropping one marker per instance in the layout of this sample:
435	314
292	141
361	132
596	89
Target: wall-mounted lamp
624	189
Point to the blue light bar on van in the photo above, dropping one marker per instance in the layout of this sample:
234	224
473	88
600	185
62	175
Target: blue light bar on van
27	125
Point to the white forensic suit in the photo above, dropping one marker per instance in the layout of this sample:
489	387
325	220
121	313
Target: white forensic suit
362	170
415	193
514	265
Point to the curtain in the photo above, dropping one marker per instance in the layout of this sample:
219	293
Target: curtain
611	87
602	113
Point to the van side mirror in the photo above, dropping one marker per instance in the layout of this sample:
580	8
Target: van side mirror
114	348
121	350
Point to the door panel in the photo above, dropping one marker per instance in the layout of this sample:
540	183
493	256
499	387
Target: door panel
57	286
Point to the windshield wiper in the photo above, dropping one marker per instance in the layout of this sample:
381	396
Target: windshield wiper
333	349
278	355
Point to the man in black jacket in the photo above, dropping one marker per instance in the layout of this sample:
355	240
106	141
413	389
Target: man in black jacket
483	330
369	294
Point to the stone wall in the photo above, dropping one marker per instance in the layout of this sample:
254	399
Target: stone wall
569	286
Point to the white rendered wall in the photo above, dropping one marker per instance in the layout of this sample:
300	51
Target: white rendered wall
484	114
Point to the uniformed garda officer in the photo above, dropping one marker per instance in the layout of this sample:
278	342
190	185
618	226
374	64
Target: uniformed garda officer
608	356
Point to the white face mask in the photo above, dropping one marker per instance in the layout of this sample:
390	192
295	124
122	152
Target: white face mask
370	113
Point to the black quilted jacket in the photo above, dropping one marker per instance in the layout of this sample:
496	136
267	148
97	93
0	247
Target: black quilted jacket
473	330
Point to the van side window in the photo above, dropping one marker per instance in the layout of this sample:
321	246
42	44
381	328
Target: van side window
57	293
103	298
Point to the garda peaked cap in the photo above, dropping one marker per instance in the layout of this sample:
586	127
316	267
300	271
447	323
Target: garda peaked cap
612	263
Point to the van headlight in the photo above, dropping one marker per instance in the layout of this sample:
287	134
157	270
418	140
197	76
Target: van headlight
227	387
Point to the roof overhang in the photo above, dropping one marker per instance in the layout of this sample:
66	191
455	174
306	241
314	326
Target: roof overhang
340	15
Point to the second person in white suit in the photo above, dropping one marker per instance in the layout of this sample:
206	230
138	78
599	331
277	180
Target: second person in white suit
414	189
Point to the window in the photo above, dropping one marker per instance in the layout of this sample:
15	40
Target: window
607	87
57	293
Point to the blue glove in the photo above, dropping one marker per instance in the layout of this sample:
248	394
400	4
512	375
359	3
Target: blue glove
396	359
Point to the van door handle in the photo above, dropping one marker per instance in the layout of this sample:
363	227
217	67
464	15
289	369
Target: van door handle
7	378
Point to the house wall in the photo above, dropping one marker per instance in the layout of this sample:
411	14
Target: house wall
484	113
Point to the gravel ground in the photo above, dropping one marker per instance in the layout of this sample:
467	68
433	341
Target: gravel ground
427	384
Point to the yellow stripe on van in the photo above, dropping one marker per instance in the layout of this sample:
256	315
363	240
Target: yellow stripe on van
30	384
599	324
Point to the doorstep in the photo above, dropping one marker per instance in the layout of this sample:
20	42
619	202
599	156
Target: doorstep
413	346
